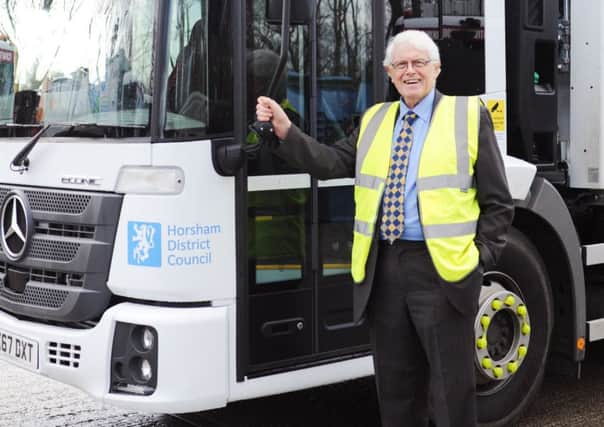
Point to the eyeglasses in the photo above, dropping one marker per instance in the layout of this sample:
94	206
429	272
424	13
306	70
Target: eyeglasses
417	64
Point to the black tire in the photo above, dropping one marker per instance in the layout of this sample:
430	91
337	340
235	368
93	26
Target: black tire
500	404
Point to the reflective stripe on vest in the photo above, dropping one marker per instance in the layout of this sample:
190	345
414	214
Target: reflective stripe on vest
446	191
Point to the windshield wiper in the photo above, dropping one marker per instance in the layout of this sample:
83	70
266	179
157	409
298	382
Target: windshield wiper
103	125
21	162
101	130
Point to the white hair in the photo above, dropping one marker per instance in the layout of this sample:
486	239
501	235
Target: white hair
416	39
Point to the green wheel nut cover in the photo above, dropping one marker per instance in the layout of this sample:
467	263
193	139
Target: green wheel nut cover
526	329
510	301
487	363
512	367
496	304
522	351
521	310
481	343
497	371
485	321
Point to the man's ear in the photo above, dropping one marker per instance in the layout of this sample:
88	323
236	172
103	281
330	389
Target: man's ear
387	69
438	70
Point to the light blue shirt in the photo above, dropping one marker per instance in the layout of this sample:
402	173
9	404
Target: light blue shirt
413	229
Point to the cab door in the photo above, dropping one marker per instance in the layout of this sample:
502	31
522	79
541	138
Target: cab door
345	89
298	292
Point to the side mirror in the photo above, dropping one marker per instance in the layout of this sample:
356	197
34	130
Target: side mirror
300	12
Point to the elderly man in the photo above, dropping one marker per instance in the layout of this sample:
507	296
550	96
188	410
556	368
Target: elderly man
432	210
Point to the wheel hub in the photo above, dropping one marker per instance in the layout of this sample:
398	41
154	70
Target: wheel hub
502	330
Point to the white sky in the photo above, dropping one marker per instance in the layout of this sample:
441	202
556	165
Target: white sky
60	44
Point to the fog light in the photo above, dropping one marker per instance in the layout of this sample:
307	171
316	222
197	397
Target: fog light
146	371
148	339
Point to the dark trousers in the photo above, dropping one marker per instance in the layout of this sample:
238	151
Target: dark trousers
422	345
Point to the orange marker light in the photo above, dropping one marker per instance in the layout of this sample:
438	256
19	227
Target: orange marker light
581	344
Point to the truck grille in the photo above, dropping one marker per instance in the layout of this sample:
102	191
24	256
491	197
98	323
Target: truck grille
36	296
54	201
66	266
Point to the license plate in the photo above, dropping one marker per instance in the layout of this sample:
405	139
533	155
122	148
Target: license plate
19	350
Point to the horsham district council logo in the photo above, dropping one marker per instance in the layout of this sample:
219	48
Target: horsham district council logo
144	244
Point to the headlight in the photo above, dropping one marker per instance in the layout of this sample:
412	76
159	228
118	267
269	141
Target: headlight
134	359
145	370
148	339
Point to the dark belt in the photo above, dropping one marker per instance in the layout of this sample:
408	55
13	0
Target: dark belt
398	243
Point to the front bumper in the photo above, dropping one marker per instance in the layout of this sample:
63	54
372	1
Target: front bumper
192	373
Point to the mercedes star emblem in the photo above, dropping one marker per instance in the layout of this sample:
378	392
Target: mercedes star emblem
15	225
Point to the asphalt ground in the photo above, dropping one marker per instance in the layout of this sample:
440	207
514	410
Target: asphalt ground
29	400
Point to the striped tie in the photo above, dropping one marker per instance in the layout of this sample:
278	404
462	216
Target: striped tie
393	216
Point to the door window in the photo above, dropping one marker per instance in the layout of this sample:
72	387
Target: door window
345	59
199	88
457	27
292	89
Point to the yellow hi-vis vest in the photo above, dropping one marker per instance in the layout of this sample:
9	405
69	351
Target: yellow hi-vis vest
445	184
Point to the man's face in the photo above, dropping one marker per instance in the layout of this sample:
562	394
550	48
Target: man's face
412	82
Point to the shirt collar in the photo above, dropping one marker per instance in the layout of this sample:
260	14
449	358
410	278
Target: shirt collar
423	109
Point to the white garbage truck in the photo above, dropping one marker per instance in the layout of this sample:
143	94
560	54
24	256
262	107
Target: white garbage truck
157	255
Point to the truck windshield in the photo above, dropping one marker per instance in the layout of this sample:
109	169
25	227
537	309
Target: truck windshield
76	61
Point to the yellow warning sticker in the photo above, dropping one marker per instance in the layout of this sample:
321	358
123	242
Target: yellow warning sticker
497	109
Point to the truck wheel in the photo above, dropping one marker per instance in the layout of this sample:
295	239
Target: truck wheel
513	328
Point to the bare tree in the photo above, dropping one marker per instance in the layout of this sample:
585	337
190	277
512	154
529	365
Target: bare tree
342	37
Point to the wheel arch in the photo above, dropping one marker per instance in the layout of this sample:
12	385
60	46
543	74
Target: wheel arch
545	220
